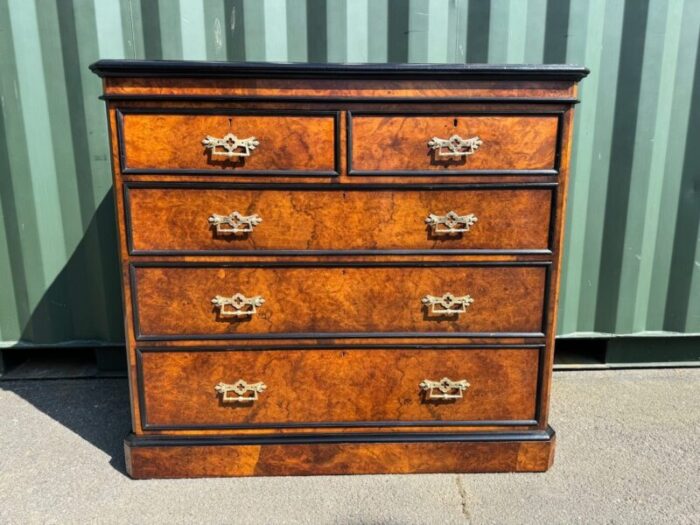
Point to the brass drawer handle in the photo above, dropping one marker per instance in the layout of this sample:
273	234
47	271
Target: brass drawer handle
451	222
455	146
237	305
448	304
445	388
240	388
234	222
230	144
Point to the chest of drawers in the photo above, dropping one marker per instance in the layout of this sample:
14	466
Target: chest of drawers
339	269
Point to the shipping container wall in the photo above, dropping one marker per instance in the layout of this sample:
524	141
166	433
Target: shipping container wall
632	263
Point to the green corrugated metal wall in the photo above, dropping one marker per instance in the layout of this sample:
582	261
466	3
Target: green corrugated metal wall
633	257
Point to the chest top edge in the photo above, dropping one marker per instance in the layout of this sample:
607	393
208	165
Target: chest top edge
289	70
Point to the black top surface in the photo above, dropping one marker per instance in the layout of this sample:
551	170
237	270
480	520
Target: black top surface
183	68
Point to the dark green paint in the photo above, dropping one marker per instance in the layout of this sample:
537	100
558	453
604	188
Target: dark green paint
631	263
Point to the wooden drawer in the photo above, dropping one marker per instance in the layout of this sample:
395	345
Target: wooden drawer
399	144
171	218
171	141
338	387
336	299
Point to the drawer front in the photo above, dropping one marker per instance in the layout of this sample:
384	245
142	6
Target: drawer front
190	219
332	300
245	143
413	143
339	387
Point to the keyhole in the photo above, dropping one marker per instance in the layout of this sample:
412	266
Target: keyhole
455	123
230	123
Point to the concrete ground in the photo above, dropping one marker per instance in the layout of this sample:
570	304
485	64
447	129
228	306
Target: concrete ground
628	452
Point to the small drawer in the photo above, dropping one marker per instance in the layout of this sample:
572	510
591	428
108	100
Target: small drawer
277	300
202	141
176	219
452	144
211	389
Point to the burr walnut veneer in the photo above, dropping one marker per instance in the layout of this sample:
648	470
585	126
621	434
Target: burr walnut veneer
339	269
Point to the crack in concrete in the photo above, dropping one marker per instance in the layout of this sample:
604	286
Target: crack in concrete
461	489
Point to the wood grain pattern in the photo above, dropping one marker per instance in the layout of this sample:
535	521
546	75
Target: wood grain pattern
175	219
400	143
306	386
174	142
337	458
177	301
558	228
326	287
435	90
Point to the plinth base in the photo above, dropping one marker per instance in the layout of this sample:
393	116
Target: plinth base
326	454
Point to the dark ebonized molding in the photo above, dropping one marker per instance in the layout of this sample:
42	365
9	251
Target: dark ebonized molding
129	185
415	186
139	336
146	425
339	346
318	438
342	335
185	68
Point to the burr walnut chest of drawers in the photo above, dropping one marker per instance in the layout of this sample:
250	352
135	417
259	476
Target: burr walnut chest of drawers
339	269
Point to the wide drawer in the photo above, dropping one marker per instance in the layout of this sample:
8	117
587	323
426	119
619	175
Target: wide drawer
452	143
187	218
208	141
272	300
339	387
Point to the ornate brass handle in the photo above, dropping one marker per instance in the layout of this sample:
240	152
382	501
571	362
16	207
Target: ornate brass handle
451	222
445	388
455	146
448	304
234	222
244	392
230	144
237	305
